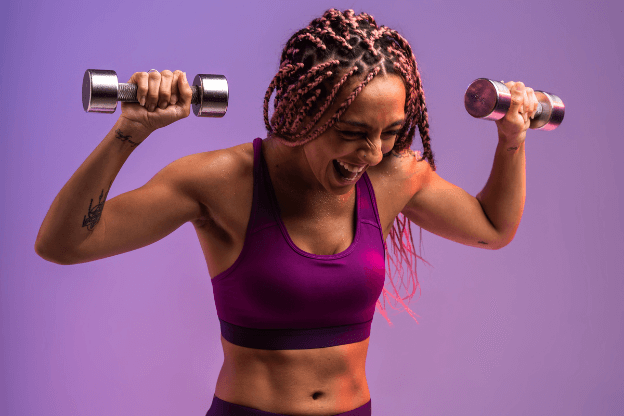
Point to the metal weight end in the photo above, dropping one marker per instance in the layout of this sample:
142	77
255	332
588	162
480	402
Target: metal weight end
487	99
552	114
99	91
213	95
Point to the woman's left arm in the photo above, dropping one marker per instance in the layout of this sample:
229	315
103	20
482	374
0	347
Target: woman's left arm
504	194
490	219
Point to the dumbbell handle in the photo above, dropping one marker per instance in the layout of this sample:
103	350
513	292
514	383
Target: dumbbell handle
127	93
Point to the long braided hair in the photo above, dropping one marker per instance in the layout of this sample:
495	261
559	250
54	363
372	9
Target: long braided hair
316	63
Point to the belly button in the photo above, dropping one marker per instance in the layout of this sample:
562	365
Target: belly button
317	394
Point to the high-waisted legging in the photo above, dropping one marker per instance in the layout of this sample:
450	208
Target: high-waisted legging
222	408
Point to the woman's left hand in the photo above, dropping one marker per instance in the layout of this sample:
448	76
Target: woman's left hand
512	128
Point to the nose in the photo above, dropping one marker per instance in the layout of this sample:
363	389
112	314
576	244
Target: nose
371	151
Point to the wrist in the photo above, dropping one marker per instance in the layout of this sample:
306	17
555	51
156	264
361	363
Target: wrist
126	135
510	146
128	126
511	140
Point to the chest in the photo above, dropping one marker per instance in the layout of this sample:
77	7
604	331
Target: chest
314	225
327	228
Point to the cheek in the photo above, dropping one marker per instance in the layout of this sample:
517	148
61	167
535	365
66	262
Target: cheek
387	146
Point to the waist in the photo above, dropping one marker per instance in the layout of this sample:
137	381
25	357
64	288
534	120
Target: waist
319	381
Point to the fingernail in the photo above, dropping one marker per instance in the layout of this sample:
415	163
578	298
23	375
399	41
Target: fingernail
143	101
174	99
152	107
163	105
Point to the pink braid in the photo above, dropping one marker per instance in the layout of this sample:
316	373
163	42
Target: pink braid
328	102
298	87
343	107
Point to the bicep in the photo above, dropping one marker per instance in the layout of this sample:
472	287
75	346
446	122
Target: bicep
145	215
448	211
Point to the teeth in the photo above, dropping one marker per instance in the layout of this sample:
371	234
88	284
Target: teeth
350	168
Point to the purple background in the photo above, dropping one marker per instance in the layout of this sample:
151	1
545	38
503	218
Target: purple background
532	329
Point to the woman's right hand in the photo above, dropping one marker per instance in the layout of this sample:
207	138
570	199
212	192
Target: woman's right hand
163	98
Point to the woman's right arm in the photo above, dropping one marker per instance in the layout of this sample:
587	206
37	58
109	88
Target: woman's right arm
75	227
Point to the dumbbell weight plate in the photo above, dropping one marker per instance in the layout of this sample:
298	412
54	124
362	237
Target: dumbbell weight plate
552	112
99	91
487	99
213	95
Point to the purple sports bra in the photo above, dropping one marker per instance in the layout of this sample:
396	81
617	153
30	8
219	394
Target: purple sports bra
277	297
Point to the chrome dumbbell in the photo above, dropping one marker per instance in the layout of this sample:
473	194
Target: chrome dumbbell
490	100
101	91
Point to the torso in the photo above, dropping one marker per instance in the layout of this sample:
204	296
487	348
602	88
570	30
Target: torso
318	381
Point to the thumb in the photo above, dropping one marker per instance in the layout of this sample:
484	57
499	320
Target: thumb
185	88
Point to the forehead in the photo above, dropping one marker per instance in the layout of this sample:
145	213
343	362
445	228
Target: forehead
383	95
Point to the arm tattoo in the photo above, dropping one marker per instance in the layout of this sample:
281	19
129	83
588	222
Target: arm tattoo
123	138
93	217
482	242
512	148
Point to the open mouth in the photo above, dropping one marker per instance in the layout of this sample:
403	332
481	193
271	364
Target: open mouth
344	174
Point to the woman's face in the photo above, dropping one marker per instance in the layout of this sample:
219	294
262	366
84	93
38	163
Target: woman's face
364	133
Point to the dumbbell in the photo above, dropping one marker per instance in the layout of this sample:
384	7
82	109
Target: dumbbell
490	100
101	91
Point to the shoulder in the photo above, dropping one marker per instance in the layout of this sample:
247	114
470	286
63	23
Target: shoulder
217	179
215	167
402	170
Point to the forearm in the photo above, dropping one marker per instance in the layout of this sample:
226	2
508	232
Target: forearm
77	208
503	196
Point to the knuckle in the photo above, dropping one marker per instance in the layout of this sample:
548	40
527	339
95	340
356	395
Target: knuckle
166	73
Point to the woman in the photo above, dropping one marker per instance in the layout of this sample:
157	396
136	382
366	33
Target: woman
293	227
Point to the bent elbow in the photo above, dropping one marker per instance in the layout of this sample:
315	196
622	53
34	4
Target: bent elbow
48	256
503	243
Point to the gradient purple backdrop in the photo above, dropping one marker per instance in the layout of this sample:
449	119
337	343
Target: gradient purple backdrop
532	329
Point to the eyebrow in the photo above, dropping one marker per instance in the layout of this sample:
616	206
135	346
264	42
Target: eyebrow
364	125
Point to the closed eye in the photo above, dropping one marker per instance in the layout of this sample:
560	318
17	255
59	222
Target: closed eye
363	135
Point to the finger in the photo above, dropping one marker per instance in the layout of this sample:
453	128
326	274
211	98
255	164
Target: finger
185	89
185	93
174	87
517	98
153	86
164	93
533	100
140	79
528	105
